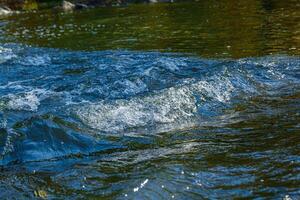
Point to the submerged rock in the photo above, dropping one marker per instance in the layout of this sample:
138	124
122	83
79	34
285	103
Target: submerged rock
67	6
5	10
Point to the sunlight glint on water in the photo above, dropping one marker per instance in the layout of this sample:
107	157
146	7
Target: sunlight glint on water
139	124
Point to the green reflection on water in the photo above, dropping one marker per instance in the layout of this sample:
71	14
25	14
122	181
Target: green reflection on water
206	28
30	5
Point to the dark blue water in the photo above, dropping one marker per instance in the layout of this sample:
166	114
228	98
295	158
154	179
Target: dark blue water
147	125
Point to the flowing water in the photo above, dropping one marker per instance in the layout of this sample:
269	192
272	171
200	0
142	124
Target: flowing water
165	101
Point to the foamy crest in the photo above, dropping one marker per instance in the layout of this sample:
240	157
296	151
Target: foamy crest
28	101
172	64
36	60
175	105
130	87
6	54
168	106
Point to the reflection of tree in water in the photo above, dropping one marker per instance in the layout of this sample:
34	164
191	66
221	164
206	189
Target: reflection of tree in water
268	5
280	27
20	4
207	28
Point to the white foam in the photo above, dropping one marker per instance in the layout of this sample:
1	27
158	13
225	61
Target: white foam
166	107
9	142
28	101
219	89
131	87
175	105
37	60
6	54
172	64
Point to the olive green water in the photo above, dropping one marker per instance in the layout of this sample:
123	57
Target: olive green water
206	28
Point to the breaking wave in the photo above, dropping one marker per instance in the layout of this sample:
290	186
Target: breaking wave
62	101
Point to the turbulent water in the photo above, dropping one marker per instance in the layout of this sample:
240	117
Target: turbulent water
187	100
147	125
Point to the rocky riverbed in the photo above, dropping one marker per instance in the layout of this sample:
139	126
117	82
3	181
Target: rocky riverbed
10	7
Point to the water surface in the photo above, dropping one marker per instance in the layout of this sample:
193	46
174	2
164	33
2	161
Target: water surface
206	28
202	104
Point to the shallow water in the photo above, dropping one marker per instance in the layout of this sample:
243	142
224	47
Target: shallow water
143	124
207	28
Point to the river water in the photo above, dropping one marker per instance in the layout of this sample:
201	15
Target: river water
165	101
